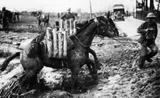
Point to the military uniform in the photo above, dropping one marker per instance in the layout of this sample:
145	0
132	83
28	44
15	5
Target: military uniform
148	31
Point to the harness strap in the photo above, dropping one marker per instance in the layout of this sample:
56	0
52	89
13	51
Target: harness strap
86	46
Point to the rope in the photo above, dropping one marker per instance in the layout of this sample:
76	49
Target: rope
86	46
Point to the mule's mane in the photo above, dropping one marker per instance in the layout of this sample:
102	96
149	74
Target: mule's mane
84	27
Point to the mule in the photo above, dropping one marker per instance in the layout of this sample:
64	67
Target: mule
34	57
43	19
15	17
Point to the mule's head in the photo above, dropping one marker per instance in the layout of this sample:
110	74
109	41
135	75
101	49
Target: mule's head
102	26
112	27
106	28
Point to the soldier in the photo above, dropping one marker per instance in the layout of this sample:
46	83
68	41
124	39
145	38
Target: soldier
148	31
5	20
68	15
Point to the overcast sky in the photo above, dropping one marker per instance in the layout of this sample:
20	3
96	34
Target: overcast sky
63	5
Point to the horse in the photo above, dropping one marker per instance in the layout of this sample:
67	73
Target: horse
35	13
43	18
34	57
15	16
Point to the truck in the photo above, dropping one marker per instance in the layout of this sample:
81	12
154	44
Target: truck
118	12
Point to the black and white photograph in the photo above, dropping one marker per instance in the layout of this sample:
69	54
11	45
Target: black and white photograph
79	48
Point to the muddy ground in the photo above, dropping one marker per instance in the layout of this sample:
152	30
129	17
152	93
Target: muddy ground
119	76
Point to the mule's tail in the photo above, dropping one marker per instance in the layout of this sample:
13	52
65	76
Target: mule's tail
5	63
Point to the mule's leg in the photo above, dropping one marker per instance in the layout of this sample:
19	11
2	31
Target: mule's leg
32	68
93	70
74	77
89	67
90	63
95	58
30	77
39	23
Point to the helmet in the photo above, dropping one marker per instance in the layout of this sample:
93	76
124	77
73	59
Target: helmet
150	15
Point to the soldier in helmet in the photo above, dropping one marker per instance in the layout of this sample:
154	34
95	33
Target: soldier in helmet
68	15
148	31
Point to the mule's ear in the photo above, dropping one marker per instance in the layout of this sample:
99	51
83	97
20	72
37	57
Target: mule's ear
96	20
105	16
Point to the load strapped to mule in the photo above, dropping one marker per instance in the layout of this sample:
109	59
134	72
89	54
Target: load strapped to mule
55	43
56	39
68	26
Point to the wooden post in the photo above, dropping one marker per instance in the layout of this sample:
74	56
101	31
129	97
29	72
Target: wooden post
74	26
66	26
61	25
71	27
55	48
49	42
60	45
64	44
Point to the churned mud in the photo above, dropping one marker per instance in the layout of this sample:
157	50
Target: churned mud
119	76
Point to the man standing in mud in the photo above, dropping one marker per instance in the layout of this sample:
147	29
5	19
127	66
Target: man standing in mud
148	31
5	20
